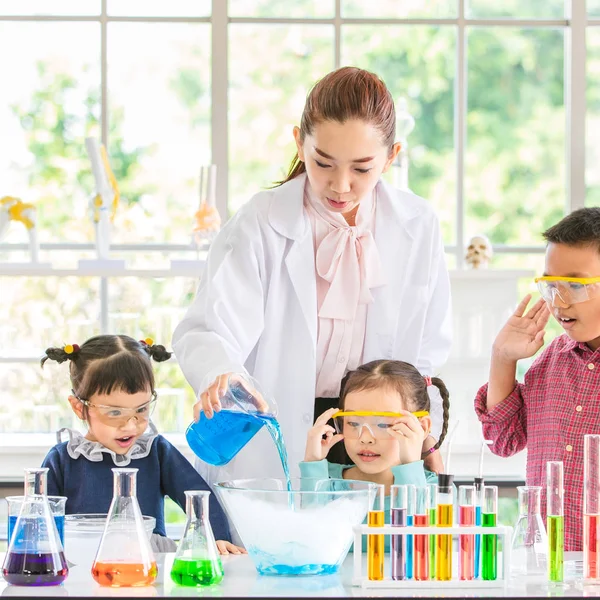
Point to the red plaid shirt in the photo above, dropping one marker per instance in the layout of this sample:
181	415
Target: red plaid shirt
549	414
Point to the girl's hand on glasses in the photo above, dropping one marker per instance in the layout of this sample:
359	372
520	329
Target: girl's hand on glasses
321	437
410	435
523	334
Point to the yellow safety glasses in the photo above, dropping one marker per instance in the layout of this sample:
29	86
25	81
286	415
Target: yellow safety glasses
570	290
351	423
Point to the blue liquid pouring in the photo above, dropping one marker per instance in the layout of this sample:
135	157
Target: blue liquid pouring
58	519
217	440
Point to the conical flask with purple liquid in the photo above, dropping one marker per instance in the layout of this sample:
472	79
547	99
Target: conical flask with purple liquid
35	555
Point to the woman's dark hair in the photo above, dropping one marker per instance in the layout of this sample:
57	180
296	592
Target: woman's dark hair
401	377
109	362
344	94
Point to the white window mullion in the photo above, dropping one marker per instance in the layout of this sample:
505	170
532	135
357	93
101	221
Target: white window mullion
460	110
338	34
219	80
575	104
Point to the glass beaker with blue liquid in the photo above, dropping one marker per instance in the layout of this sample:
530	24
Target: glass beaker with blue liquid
57	506
244	410
35	553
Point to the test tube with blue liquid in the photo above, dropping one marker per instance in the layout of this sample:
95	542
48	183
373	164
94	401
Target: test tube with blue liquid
399	511
410	521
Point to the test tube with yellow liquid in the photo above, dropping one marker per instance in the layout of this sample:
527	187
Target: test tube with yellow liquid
444	518
376	542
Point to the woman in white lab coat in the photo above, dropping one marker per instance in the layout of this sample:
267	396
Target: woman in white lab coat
331	269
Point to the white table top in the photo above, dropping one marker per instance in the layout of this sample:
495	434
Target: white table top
242	580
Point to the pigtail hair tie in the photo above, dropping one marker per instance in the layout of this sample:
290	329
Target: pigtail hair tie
427	380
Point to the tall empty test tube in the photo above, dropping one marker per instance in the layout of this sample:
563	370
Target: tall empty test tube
489	542
376	542
591	506
421	545
555	517
398	510
445	514
432	489
466	518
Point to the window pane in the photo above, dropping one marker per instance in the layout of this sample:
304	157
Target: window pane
393	9
299	9
34	400
44	7
38	312
159	120
522	9
514	161
159	8
272	67
593	8
49	104
417	63
592	128
144	307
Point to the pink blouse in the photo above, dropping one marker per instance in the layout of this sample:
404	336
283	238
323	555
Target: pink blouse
347	266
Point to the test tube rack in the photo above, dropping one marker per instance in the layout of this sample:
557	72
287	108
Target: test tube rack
504	534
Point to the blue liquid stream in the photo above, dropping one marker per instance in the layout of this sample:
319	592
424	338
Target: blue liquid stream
217	440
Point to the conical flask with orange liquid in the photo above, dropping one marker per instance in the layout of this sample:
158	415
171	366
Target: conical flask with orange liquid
124	556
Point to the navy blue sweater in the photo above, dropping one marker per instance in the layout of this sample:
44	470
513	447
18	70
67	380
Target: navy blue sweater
88	485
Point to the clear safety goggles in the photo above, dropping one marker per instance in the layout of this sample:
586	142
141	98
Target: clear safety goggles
118	416
351	423
570	290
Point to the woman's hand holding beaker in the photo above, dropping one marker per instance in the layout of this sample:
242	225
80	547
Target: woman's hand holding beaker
321	437
210	398
410	435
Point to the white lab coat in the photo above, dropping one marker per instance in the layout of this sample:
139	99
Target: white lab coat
256	310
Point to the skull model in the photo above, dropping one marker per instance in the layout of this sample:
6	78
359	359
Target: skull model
479	252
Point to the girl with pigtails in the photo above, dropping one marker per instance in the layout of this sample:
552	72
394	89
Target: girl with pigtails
113	393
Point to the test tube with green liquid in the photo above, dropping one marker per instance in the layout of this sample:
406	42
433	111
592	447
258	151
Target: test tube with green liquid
489	542
432	490
555	517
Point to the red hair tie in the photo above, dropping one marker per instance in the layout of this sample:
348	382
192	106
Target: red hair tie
427	380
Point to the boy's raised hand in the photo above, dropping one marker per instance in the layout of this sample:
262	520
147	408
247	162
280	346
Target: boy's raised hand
321	437
523	334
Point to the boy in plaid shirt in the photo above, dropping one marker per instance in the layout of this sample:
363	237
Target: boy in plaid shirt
558	403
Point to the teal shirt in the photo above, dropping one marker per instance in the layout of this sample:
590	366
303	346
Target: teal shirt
412	473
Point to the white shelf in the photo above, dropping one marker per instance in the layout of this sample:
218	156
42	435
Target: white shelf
191	269
490	274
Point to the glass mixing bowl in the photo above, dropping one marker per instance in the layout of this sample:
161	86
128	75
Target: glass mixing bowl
305	531
83	533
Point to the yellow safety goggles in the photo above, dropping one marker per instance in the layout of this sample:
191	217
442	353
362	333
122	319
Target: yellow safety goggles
351	423
570	290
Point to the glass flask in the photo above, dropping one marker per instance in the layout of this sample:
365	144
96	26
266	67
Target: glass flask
244	410
529	542
124	556
35	553
197	561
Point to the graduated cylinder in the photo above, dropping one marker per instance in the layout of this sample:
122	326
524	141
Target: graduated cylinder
591	506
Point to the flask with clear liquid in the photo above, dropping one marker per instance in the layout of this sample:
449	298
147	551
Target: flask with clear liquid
124	556
197	561
529	542
35	553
